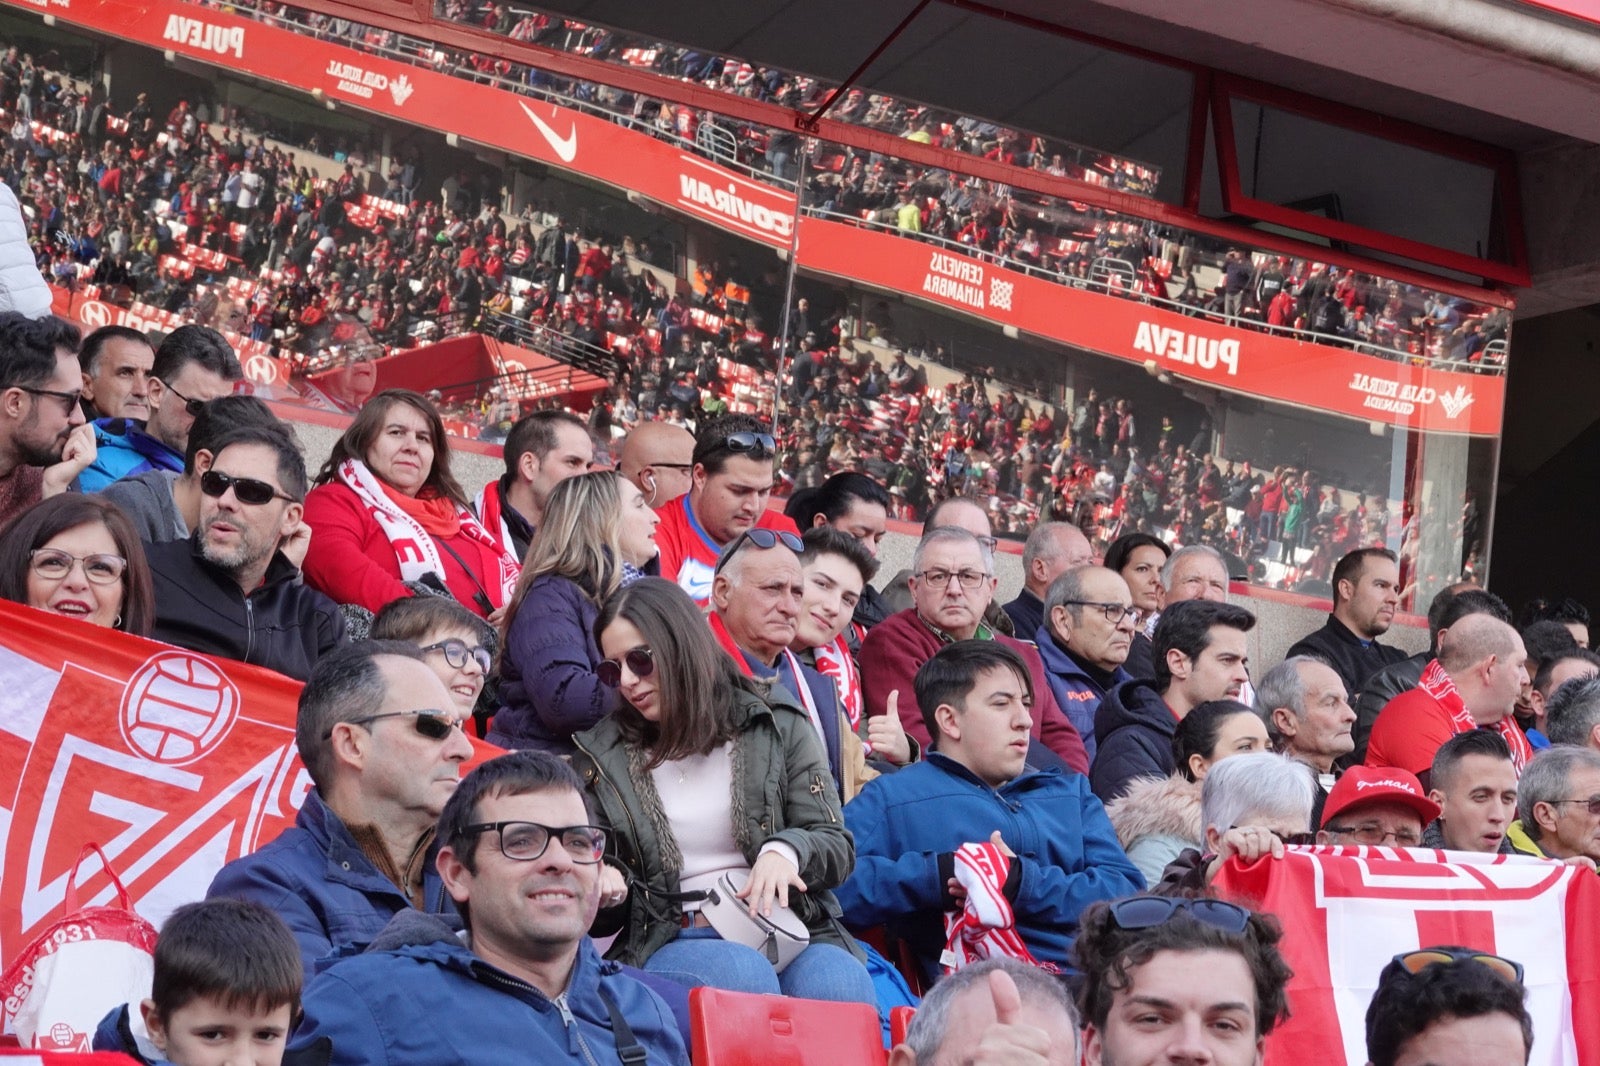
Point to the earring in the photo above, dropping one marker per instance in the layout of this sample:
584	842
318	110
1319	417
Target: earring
117	624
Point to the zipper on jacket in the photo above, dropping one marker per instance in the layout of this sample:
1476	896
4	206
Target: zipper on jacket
819	790
572	1026
249	627
568	1021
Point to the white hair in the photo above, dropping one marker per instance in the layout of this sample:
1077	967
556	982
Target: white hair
953	535
1249	788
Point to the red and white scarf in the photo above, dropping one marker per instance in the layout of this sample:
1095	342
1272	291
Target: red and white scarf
985	926
807	700
413	547
1436	683
487	507
835	661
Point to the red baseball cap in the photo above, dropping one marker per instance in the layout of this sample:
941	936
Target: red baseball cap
1361	785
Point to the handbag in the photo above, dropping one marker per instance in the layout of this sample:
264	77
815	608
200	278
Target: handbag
780	936
84	964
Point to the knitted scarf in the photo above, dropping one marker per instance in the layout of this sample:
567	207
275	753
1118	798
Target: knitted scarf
985	926
1436	683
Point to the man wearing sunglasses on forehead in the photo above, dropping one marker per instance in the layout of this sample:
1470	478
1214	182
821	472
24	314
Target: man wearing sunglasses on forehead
229	589
1449	1005
729	485
1170	980
194	364
383	745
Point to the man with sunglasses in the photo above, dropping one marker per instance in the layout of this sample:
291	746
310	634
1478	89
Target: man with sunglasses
194	364
729	485
229	589
521	858
383	744
1449	1005
44	442
1168	980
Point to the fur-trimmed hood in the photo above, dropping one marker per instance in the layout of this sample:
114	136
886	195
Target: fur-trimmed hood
1153	805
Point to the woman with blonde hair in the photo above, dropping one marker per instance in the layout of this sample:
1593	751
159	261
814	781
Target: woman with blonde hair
595	534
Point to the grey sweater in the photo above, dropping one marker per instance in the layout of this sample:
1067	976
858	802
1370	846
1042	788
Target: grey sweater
147	498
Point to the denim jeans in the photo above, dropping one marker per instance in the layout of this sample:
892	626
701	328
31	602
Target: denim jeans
821	971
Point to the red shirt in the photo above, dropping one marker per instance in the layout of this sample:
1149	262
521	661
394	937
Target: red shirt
689	555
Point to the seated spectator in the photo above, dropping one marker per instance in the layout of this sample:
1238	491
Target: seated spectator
1199	655
995	1011
1558	806
692	732
116	363
596	534
658	457
78	557
858	506
1139	557
1051	550
834	567
1376	805
1447	1004
229	589
952	585
728	490
384	749
1566	610
1158	818
165	504
456	644
225	989
961	512
1083	642
387	511
1366	595
194	364
1308	717
1149	950
1475	785
1553	675
1062	853
524	979
1252	807
542	449
44	444
1544	641
1473	684
1573	713
1194	572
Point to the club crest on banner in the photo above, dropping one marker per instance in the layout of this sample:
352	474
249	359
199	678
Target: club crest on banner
177	708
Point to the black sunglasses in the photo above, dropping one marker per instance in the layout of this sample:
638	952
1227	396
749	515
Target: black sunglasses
1421	959
755	445
69	399
435	725
1147	912
214	483
763	539
194	407
641	662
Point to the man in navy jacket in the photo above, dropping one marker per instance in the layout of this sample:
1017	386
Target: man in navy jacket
975	788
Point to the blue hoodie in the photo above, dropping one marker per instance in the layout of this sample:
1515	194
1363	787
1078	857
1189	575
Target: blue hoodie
124	449
1077	694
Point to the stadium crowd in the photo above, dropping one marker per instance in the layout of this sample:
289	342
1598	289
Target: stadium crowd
734	739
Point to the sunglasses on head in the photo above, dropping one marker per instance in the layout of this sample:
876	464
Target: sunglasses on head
641	662
1147	912
248	490
1419	960
435	725
763	539
755	445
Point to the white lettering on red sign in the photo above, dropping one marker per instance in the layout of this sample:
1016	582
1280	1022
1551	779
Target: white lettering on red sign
728	203
1174	345
206	36
953	278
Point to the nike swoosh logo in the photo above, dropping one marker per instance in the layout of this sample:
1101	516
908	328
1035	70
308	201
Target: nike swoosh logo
566	148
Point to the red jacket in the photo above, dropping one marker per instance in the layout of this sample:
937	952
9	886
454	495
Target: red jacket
350	559
897	646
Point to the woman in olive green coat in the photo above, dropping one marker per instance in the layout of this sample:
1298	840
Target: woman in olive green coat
704	772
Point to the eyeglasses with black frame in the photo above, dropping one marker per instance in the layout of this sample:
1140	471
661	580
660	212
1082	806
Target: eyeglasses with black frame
640	661
1419	960
1147	912
1592	803
1374	835
53	564
193	407
969	579
763	539
457	652
1114	612
71	399
527	841
215	484
435	725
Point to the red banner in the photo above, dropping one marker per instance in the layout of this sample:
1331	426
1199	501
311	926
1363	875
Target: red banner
1209	353
1348	911
175	763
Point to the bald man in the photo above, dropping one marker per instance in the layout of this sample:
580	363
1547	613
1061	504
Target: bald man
1472	684
658	458
1053	548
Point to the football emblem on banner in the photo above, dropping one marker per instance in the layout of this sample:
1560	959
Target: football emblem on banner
177	707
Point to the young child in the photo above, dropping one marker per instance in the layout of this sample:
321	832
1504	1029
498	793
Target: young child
226	991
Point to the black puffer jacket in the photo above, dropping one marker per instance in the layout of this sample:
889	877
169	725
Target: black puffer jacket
1133	735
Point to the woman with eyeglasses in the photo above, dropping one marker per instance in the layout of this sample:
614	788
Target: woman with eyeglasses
595	536
78	557
388	513
702	773
1157	818
456	644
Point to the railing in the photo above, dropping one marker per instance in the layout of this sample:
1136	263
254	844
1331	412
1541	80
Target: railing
559	346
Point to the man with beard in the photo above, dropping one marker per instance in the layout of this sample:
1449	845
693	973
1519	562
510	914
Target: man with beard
228	590
43	442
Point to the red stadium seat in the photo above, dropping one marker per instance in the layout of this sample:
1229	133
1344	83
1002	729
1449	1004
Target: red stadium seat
738	1029
900	1022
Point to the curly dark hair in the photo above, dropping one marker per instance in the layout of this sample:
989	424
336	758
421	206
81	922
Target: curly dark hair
1407	1003
1106	954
